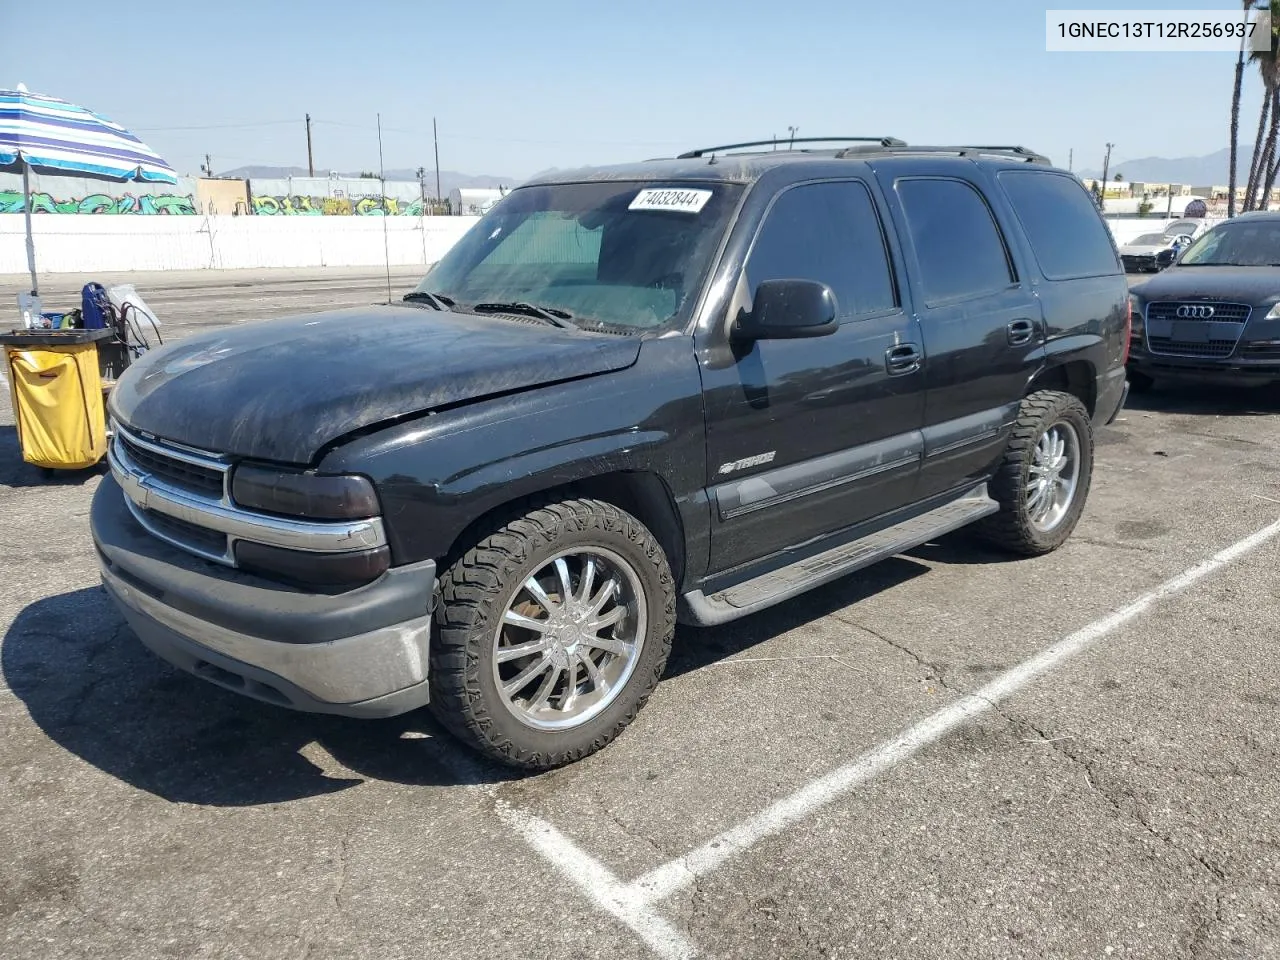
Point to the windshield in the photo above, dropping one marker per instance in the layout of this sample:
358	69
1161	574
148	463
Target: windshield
615	253
1149	240
1236	244
1181	226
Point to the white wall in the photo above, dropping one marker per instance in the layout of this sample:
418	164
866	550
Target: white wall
72	243
75	243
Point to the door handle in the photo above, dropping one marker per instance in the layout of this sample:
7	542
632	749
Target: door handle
902	359
1021	331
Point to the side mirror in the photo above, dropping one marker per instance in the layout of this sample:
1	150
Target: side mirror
788	309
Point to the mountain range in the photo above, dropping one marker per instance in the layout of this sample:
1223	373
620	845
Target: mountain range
1208	170
449	179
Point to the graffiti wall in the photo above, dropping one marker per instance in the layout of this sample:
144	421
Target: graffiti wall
293	205
147	203
192	196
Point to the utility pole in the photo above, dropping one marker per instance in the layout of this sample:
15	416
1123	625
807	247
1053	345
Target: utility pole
436	137
1106	164
1071	156
792	141
311	166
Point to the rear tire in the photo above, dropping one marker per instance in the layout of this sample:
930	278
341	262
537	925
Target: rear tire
551	633
1043	481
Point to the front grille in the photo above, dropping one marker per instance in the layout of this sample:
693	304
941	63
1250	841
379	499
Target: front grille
198	539
1213	337
1261	351
1222	312
1217	349
181	473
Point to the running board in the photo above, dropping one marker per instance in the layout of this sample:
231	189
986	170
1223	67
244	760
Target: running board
763	591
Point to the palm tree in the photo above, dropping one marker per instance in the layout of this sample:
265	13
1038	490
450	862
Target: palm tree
1264	148
1273	159
1235	118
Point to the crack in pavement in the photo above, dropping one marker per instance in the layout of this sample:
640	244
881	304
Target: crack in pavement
1216	874
312	937
1135	815
1112	544
617	821
933	670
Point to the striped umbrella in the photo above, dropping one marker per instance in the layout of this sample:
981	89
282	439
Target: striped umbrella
53	136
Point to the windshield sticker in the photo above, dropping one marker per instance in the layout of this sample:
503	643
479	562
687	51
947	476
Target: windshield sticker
680	201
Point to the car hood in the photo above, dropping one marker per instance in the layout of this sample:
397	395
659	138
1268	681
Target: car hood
1252	285
1141	249
283	389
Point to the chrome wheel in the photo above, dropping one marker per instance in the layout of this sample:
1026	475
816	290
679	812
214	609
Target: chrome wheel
1053	476
569	639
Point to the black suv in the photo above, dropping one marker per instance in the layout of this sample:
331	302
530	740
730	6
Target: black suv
686	388
1215	314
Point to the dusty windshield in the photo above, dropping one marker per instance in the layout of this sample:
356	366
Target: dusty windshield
1238	244
614	253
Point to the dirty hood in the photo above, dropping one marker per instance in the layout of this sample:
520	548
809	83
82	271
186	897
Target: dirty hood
283	389
1253	285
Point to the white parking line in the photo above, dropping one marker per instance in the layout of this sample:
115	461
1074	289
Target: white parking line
624	901
634	903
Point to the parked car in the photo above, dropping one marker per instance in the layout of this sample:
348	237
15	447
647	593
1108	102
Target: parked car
687	388
1148	253
1215	314
1153	252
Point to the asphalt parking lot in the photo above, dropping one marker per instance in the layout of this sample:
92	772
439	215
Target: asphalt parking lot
949	755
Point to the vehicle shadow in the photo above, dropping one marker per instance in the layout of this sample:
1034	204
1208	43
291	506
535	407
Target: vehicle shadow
92	688
698	647
1195	399
16	472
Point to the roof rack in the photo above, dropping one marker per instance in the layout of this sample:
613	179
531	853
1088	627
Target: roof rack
881	141
1021	153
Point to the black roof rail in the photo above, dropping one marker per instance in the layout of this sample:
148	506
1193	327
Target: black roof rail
1021	153
882	141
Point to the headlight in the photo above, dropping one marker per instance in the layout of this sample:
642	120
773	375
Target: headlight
1274	313
306	495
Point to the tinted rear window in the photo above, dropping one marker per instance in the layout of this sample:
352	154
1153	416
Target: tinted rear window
960	249
1066	232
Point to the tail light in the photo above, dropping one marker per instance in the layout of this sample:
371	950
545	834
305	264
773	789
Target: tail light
1128	329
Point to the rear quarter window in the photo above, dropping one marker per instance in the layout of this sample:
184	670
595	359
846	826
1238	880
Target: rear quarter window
1066	232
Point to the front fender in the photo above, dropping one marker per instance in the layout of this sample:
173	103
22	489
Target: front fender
438	474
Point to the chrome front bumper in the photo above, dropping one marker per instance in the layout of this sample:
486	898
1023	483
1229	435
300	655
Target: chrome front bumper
361	653
149	495
379	673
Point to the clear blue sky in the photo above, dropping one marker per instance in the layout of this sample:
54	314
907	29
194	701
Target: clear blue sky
519	87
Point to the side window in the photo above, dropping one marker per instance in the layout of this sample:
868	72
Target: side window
1066	231
828	232
957	242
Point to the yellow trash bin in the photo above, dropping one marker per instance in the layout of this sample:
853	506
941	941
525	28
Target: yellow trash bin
56	389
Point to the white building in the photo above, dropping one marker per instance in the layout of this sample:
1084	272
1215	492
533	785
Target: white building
474	201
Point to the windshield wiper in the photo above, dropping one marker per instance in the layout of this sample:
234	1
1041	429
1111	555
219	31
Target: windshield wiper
438	300
552	315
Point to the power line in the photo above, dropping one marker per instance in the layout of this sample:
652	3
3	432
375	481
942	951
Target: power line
482	139
221	126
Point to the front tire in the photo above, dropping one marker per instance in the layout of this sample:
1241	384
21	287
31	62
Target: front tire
1043	480
551	633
